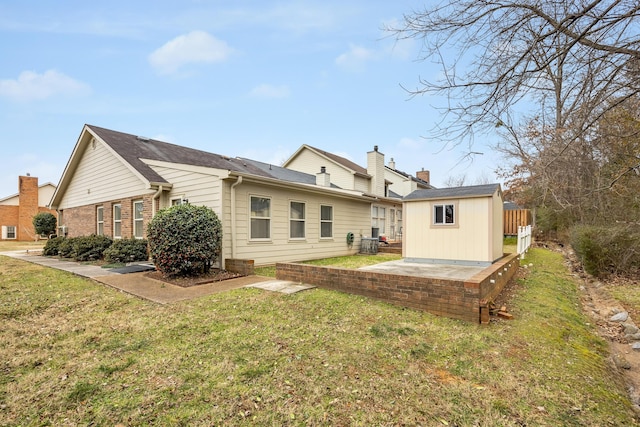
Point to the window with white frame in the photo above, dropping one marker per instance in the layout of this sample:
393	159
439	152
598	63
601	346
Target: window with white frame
326	221
100	221
260	217
177	201
296	220
138	220
378	218
9	232
399	220
117	221
443	214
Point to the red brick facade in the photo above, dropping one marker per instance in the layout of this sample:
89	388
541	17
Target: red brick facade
458	299
83	220
21	216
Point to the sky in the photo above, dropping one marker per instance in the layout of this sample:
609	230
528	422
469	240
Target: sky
252	79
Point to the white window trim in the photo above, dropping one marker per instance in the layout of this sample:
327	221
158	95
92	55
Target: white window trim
269	218
99	221
5	232
303	220
178	200
326	221
117	221
454	206
140	220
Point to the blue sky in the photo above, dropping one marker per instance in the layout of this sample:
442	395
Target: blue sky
253	79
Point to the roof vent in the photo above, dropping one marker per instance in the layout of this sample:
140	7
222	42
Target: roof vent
142	138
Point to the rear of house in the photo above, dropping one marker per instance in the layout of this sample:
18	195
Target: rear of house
17	211
461	225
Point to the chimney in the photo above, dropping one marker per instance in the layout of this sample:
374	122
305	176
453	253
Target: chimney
28	206
323	178
375	168
392	164
423	175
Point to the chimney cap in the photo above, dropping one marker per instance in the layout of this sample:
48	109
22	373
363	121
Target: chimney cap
375	148
323	169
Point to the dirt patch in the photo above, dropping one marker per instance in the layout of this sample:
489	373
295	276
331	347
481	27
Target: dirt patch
214	275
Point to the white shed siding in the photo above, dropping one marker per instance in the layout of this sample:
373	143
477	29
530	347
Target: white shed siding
348	216
467	241
100	176
310	162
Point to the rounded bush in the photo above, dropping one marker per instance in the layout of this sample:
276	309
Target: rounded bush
52	246
127	250
184	240
90	248
44	223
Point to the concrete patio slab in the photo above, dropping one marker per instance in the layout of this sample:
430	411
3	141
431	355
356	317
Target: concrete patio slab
283	286
445	271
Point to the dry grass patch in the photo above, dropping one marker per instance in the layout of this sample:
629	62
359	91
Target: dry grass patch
76	352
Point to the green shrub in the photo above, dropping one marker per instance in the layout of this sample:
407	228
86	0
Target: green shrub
44	223
184	240
610	249
127	250
66	247
52	246
90	248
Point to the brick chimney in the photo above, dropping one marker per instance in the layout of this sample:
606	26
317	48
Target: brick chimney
423	175
323	178
28	199
375	168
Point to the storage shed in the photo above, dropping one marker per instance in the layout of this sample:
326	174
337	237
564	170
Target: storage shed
459	225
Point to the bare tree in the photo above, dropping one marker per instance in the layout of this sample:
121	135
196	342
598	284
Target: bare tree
501	57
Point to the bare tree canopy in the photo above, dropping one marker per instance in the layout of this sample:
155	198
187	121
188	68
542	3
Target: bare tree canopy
571	59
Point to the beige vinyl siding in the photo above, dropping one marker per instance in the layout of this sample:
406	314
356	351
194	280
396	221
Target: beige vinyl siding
399	184
348	216
12	201
467	240
310	162
200	187
101	176
45	193
361	184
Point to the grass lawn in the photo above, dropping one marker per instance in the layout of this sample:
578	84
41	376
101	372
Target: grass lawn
75	352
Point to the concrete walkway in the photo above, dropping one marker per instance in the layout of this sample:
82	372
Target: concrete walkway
138	284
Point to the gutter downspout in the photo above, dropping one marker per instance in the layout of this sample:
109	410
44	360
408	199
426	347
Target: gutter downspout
153	200
233	216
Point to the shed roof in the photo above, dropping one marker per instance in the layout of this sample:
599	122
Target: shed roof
453	192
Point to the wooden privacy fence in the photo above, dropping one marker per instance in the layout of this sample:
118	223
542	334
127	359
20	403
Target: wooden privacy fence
514	219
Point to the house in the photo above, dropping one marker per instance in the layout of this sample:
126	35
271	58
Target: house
383	182
17	211
460	225
114	183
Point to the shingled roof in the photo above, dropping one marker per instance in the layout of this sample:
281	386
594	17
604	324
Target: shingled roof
133	148
342	161
454	192
283	174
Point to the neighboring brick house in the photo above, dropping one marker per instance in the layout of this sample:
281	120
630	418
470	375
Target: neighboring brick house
17	211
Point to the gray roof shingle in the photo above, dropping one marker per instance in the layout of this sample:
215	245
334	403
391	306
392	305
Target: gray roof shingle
454	192
132	148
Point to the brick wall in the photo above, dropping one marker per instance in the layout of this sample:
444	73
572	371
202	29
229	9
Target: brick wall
240	266
458	299
28	196
82	220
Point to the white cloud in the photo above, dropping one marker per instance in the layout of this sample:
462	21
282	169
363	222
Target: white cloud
355	58
33	86
410	143
270	91
194	47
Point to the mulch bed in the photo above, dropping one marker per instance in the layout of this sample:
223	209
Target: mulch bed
214	275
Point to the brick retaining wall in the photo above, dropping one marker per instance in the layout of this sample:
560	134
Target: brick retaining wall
458	299
240	266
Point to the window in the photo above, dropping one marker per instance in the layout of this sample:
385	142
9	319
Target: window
177	201
260	217
296	220
443	214
399	218
117	221
378	219
138	222
9	232
100	221
326	221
